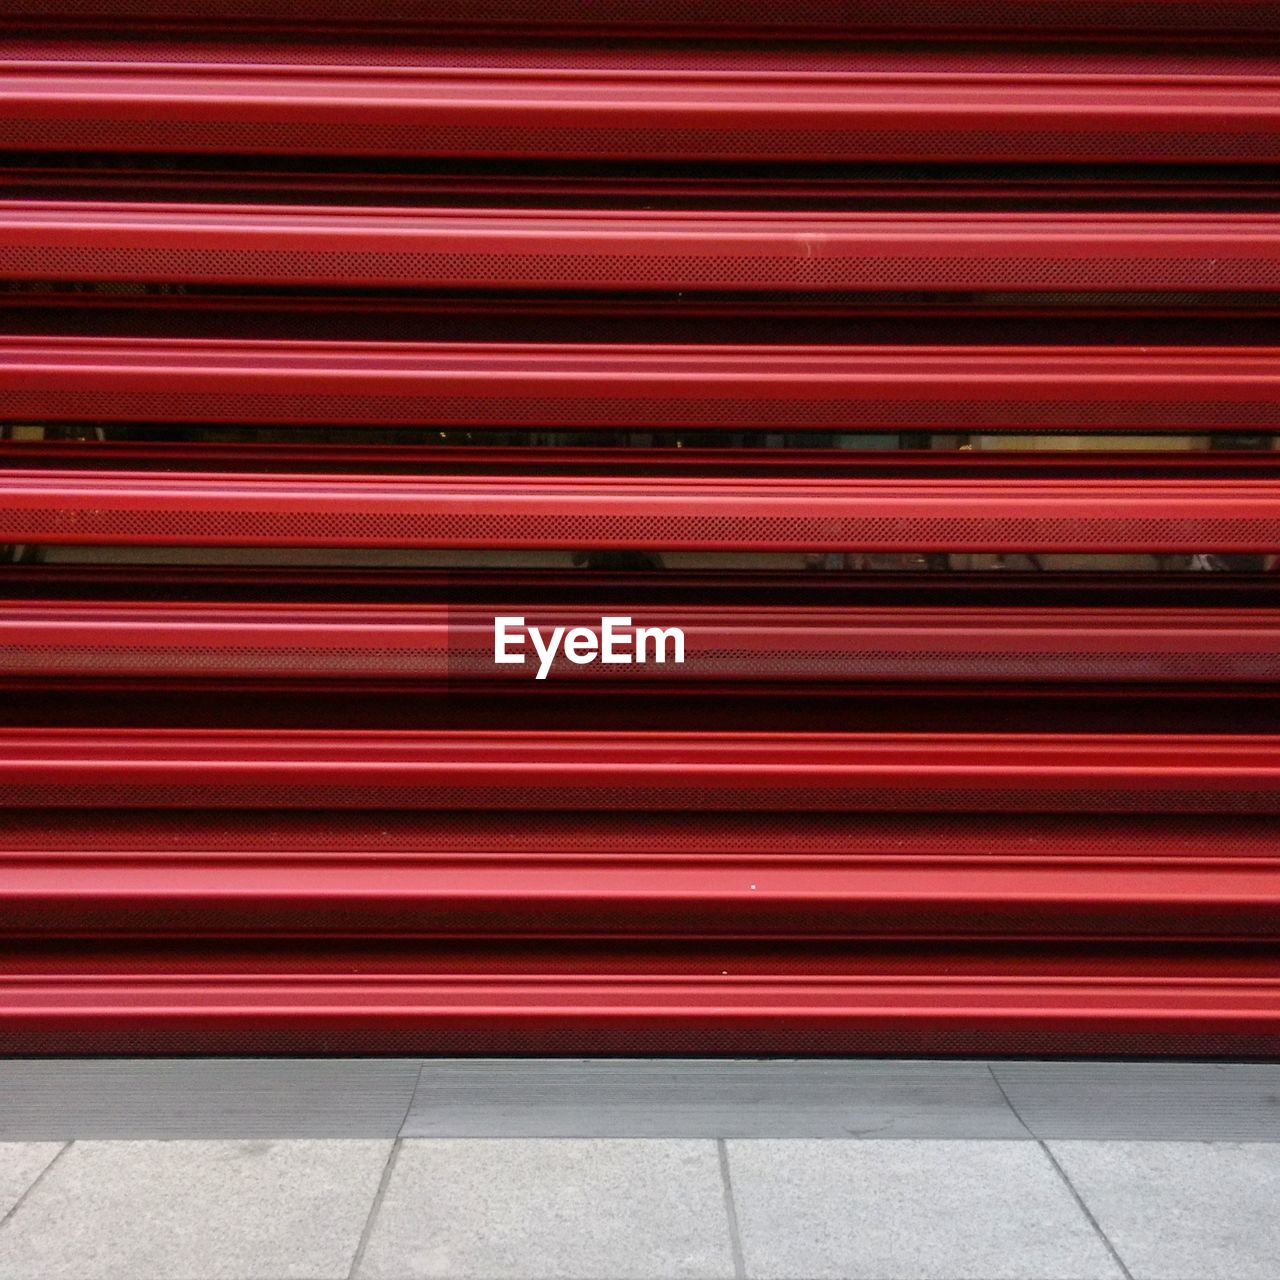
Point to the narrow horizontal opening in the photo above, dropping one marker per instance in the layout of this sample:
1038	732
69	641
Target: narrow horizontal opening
568	184
548	707
550	451
189	311
47	579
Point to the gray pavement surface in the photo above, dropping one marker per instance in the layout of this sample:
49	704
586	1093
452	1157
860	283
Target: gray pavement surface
548	1201
55	1099
640	1209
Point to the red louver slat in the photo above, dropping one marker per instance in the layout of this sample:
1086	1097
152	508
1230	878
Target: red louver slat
595	998
737	643
1135	891
1089	515
961	838
650	387
652	771
598	251
749	105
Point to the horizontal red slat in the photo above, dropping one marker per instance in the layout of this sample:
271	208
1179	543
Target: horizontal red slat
744	642
663	103
786	898
1136	892
541	770
605	250
599	997
418	834
650	387
778	514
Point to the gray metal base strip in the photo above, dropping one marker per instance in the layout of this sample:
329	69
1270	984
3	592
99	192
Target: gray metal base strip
52	1099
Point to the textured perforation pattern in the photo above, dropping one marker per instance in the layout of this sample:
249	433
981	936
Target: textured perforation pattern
241	889
537	409
732	269
400	833
1086	798
246	660
174	131
858	664
175	526
850	663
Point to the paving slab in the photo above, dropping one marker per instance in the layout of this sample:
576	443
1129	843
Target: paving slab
54	1099
205	1098
912	1210
1234	1101
692	1098
1183	1210
21	1163
552	1209
246	1210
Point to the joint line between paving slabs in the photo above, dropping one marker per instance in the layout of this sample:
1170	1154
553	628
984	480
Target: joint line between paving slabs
731	1211
35	1182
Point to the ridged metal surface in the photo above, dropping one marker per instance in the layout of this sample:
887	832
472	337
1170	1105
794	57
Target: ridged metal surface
142	508
603	770
614	103
609	386
272	809
158	641
606	250
620	998
443	893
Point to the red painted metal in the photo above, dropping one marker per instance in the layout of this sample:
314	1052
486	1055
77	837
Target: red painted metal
596	881
650	387
651	771
625	998
760	643
673	512
605	250
686	103
783	896
308	835
656	875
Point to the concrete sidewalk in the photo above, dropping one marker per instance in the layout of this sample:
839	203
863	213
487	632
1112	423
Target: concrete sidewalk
1004	1206
640	1208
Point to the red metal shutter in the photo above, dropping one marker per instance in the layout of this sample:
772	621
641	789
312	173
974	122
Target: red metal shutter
862	342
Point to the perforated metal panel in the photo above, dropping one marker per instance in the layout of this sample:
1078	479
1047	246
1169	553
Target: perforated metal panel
918	361
477	249
610	386
614	102
739	644
1093	515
